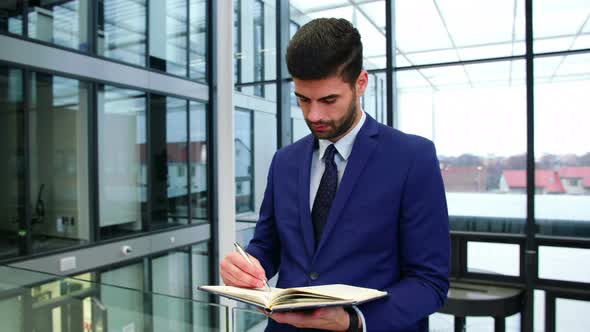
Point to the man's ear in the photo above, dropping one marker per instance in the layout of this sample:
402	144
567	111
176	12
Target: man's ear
361	82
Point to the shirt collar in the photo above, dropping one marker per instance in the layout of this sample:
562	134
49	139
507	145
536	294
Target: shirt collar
344	144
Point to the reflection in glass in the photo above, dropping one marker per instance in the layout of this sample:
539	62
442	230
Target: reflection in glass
244	161
562	145
254	45
122	161
168	36
199	192
12	177
121	30
475	114
62	23
168	153
11	16
198	40
58	159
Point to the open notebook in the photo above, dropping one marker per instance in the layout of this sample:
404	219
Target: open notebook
298	298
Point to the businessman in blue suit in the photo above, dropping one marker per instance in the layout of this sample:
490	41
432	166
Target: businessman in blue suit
355	202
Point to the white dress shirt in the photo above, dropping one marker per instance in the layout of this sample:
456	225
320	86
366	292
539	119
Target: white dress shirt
343	148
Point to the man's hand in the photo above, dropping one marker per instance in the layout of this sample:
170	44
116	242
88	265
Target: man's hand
332	319
236	271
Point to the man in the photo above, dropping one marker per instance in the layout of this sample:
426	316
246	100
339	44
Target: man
355	202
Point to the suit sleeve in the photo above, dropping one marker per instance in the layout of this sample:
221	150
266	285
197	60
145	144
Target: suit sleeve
424	244
265	245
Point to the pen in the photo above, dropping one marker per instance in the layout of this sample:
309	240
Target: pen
245	255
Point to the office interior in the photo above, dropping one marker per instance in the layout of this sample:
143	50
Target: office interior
136	135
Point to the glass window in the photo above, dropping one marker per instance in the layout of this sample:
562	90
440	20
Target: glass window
374	101
58	160
170	276
457	30
168	150
562	25
563	263
199	191
122	161
254	44
121	30
132	303
168	36
244	161
11	16
562	151
475	114
505	261
198	40
569	315
63	23
368	18
256	136
12	177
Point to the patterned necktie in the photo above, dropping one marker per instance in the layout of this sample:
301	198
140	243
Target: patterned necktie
325	195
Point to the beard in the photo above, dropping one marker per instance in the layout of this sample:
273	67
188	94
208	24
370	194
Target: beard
336	129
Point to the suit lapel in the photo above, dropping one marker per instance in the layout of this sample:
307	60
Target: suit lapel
303	185
363	147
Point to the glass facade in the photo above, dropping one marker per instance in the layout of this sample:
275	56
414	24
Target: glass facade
244	161
58	162
11	19
90	161
168	36
562	155
12	200
198	40
122	155
121	31
198	163
63	23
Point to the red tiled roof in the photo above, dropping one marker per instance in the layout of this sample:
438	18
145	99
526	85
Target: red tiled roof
579	172
464	178
544	178
177	152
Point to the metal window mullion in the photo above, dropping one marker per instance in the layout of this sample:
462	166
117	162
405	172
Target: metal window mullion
392	110
147	34
211	118
93	163
284	126
27	82
188	164
25	13
148	295
531	264
188	39
147	219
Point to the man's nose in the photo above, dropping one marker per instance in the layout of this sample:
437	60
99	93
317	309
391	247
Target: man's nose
315	112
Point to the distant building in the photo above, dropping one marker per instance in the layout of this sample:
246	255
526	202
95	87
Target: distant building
546	182
464	178
575	180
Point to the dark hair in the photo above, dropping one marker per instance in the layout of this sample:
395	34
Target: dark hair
325	47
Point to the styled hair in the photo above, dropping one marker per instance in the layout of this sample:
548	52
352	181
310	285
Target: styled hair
325	47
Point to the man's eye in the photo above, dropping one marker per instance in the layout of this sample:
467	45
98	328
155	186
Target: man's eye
303	100
329	101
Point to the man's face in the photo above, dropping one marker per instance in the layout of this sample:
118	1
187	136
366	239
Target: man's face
329	105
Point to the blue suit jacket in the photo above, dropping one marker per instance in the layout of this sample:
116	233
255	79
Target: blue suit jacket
387	229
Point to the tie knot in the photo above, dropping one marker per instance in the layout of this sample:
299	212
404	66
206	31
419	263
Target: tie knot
330	152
